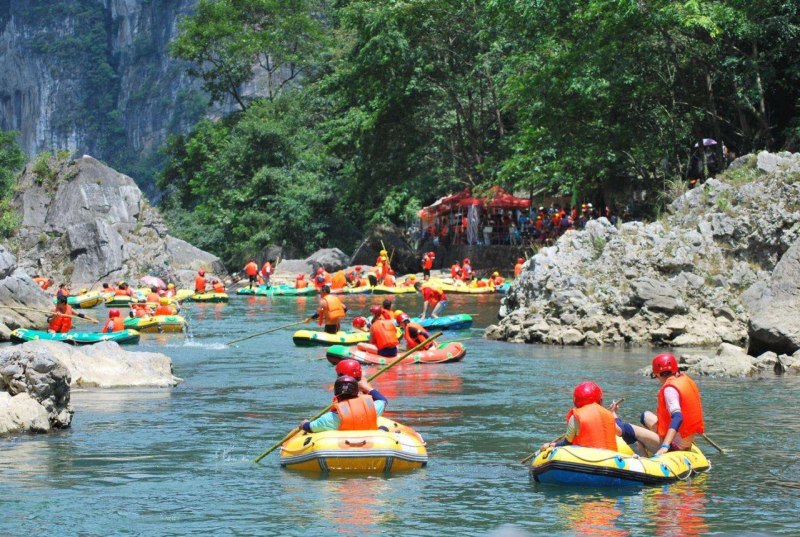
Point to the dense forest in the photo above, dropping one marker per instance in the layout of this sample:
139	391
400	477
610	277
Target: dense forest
365	110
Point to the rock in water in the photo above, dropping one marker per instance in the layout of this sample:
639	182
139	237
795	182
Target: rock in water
34	391
774	316
17	289
83	222
404	258
107	365
331	259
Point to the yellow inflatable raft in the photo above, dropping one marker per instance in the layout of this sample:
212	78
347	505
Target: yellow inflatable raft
582	466
390	448
157	323
397	290
208	297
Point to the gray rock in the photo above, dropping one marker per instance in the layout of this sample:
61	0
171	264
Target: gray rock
657	296
184	256
773	318
571	336
17	289
332	259
404	256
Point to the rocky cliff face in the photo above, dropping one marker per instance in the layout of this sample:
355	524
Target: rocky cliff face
696	277
83	223
94	77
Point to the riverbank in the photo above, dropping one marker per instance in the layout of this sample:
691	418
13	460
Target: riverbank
696	277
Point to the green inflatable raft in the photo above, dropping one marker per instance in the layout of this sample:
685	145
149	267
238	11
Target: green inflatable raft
277	290
21	335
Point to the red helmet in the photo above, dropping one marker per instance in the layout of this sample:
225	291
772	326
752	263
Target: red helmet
345	387
113	313
320	270
432	254
358	268
586	393
349	367
359	322
520	260
301	276
403	318
466	260
375	309
201	272
665	362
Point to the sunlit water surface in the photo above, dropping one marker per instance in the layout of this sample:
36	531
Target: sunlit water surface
179	461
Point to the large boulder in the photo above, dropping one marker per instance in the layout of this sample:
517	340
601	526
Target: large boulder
83	222
657	296
107	365
404	257
774	316
34	391
331	259
17	289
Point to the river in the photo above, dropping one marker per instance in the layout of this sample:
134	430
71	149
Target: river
176	462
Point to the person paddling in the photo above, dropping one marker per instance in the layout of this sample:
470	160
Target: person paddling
114	323
679	414
413	333
357	408
200	282
60	320
589	424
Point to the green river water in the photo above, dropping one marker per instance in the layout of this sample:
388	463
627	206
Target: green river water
179	461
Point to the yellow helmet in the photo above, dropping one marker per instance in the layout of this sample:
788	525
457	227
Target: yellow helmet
121	282
398	312
163	301
379	265
384	252
171	286
495	273
412	277
84	291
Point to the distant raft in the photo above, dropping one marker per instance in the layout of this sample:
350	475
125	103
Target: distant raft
119	301
314	338
156	324
461	321
390	448
452	351
276	290
208	297
21	335
398	290
503	288
594	467
85	301
466	289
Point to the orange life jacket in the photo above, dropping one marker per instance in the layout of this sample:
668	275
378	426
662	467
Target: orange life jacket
455	272
266	270
122	292
517	270
44	283
383	334
60	322
412	341
300	284
332	310
140	310
164	309
218	288
338	281
114	325
596	427
251	269
357	414
389	281
481	283
200	285
427	262
467	268
691	407
153	298
499	280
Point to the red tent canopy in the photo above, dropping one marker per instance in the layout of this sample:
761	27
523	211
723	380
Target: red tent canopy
496	199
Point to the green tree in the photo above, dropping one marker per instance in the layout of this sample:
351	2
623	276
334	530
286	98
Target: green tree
11	161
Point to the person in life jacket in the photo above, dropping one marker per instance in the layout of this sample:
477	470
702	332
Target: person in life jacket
386	310
114	323
153	297
60	319
123	290
427	265
251	270
63	290
383	334
413	333
389	280
217	286
331	311
497	280
338	281
357	408
348	367
411	281
466	270
141	310
382	258
360	324
455	271
300	282
589	424
107	289
266	271
375	275
170	292
164	308
679	414
44	283
435	299
518	267
200	282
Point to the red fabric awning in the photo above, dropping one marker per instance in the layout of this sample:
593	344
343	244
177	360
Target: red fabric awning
496	199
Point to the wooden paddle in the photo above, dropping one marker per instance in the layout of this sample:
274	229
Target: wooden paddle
707	439
307	320
536	453
381	371
85	317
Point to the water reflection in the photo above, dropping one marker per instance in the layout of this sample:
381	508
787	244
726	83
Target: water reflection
678	509
595	517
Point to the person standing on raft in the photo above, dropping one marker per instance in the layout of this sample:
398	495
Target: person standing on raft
518	267
679	414
331	311
589	424
200	282
60	320
357	408
251	270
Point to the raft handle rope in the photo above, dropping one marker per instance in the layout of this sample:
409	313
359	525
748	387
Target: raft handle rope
627	457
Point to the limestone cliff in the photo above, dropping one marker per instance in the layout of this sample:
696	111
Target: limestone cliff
94	77
701	275
83	223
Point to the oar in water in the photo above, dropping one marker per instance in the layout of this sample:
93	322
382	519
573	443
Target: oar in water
381	371
307	320
85	317
536	453
707	439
